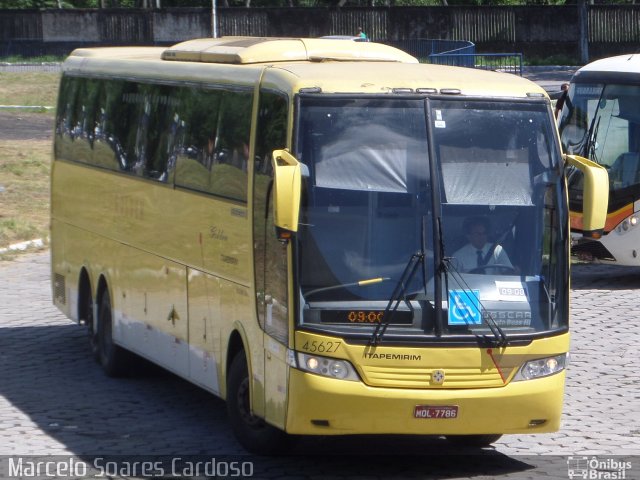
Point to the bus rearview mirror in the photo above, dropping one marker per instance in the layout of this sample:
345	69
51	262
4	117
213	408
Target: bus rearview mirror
595	197
287	185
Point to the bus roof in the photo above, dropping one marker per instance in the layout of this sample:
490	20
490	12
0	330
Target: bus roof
327	65
621	63
378	77
244	50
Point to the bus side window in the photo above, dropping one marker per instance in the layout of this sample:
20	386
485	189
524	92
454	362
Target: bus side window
231	155
154	146
195	148
120	107
213	149
77	120
64	115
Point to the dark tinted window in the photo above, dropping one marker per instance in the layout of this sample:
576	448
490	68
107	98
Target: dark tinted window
270	255
215	149
152	130
197	123
78	111
272	129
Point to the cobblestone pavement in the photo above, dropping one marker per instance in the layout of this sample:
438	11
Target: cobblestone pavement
55	400
549	77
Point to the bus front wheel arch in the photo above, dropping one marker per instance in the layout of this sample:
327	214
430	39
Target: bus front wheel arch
253	433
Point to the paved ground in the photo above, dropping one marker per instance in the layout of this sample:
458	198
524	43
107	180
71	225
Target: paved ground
54	400
549	77
16	125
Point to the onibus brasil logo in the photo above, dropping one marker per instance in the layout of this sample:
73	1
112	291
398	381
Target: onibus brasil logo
598	468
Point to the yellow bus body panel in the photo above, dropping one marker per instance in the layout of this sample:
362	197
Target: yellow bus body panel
487	399
355	408
178	265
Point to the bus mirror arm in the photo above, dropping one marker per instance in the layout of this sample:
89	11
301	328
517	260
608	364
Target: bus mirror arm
287	185
595	197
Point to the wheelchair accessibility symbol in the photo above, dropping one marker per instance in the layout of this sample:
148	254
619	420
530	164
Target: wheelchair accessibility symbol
464	307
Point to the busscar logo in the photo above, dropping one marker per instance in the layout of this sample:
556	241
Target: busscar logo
598	468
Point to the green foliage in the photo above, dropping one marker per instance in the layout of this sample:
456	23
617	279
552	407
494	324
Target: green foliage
551	60
22	4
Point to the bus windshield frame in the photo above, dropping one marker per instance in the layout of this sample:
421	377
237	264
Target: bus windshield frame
432	164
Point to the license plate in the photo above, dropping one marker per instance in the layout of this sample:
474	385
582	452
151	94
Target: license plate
440	411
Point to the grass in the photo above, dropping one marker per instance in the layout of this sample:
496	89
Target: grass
551	60
37	59
25	164
24	190
29	88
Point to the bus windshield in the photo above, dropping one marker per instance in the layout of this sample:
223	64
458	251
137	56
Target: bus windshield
602	123
370	168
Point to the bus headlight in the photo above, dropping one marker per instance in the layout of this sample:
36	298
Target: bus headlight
627	224
327	367
542	367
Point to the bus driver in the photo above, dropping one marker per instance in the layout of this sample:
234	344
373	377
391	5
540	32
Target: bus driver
477	255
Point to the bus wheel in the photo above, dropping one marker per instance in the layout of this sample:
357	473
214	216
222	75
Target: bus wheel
112	358
253	433
474	441
92	333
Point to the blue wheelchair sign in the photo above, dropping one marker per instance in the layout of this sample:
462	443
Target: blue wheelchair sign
464	307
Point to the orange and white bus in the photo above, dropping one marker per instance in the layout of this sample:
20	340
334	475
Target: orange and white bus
279	221
601	121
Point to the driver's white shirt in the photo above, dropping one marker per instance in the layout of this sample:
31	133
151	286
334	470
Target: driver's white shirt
466	259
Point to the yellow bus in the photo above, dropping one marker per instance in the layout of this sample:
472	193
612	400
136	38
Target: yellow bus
283	222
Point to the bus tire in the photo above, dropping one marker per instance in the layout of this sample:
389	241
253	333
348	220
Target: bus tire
86	315
253	433
473	441
113	358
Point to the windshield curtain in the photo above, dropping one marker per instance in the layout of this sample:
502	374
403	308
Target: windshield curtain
367	209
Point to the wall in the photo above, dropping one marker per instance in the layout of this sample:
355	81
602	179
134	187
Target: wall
534	31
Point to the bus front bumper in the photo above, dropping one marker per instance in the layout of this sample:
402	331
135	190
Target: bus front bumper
324	406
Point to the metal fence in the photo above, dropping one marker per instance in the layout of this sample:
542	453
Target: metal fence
422	48
499	62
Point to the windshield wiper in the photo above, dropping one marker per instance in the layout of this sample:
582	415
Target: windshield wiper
500	338
591	139
360	283
397	296
592	134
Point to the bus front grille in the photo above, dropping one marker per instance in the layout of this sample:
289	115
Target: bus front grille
456	377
